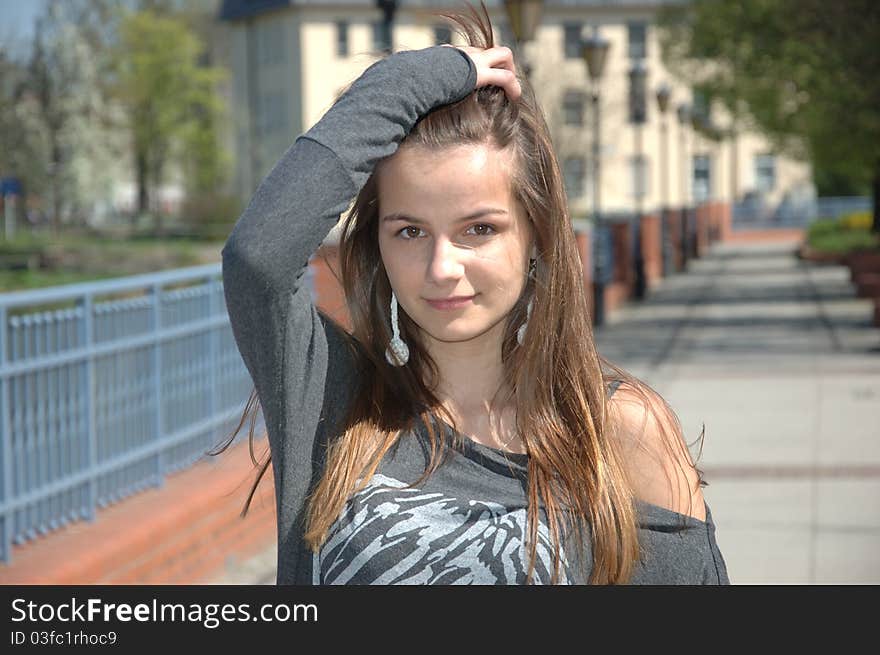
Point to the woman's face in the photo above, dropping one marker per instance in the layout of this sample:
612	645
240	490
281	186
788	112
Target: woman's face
449	226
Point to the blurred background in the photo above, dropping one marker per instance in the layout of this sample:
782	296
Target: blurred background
721	165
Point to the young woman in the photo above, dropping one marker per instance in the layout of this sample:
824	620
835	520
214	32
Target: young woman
464	431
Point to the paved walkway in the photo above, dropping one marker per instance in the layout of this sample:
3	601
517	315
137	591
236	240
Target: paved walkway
779	360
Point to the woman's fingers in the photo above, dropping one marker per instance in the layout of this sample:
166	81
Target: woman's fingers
501	70
496	67
505	79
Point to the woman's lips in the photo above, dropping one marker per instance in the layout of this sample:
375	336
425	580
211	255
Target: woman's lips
450	304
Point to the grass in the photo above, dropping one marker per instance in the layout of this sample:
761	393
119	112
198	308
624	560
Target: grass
22	280
88	258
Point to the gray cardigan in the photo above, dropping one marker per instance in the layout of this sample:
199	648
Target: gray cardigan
305	376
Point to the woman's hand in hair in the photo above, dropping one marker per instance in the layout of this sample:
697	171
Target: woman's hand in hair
495	67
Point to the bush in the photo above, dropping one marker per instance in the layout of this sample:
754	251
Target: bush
843	241
822	226
838	237
859	221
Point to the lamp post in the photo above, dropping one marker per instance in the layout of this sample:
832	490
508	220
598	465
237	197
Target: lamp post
663	94
638	109
684	119
595	52
388	9
524	16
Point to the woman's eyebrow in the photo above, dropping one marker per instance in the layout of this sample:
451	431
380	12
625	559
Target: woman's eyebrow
400	216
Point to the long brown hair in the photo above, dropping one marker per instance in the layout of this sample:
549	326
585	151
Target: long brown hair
557	376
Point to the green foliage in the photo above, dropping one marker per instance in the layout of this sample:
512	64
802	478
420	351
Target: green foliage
840	243
803	71
850	232
171	100
822	227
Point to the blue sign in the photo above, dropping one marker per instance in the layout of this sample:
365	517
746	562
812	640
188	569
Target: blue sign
10	186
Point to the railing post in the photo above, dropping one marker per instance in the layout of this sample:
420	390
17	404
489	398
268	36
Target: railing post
213	351
6	519
86	303
156	290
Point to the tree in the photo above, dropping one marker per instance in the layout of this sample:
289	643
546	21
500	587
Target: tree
170	99
57	124
803	71
21	152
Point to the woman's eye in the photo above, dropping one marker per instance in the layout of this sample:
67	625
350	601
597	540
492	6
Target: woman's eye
404	231
483	232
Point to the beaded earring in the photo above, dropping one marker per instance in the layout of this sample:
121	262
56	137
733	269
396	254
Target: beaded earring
397	352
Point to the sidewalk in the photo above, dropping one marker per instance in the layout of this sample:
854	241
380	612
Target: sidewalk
779	360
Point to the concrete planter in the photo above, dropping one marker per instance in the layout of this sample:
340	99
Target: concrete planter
863	261
806	253
868	285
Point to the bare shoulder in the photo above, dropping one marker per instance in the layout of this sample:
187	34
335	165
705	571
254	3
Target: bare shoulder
655	454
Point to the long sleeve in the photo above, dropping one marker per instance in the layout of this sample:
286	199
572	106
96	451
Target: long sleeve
296	357
674	556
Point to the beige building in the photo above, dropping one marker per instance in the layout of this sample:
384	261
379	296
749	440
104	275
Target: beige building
290	58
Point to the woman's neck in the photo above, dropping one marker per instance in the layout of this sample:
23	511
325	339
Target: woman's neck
471	375
473	388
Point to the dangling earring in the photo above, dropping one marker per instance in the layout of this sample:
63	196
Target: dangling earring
397	352
521	332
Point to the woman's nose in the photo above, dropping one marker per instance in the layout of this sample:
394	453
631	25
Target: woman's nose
446	261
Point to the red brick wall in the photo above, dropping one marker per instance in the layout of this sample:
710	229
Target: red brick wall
652	251
585	251
330	297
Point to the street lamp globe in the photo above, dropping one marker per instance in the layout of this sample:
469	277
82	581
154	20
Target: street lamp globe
524	17
595	53
638	102
663	95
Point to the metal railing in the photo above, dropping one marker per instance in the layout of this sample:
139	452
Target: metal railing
796	214
107	387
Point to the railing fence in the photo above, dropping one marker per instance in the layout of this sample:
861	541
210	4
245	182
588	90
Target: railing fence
107	387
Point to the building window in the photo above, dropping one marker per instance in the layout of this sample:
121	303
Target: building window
573	108
637	40
442	34
573	41
272	113
574	169
702	183
700	106
270	44
765	172
639	176
379	36
342	38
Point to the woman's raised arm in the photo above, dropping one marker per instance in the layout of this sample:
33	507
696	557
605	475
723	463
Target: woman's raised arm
283	341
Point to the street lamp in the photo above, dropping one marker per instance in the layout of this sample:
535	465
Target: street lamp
388	9
595	52
663	94
638	111
685	118
524	16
